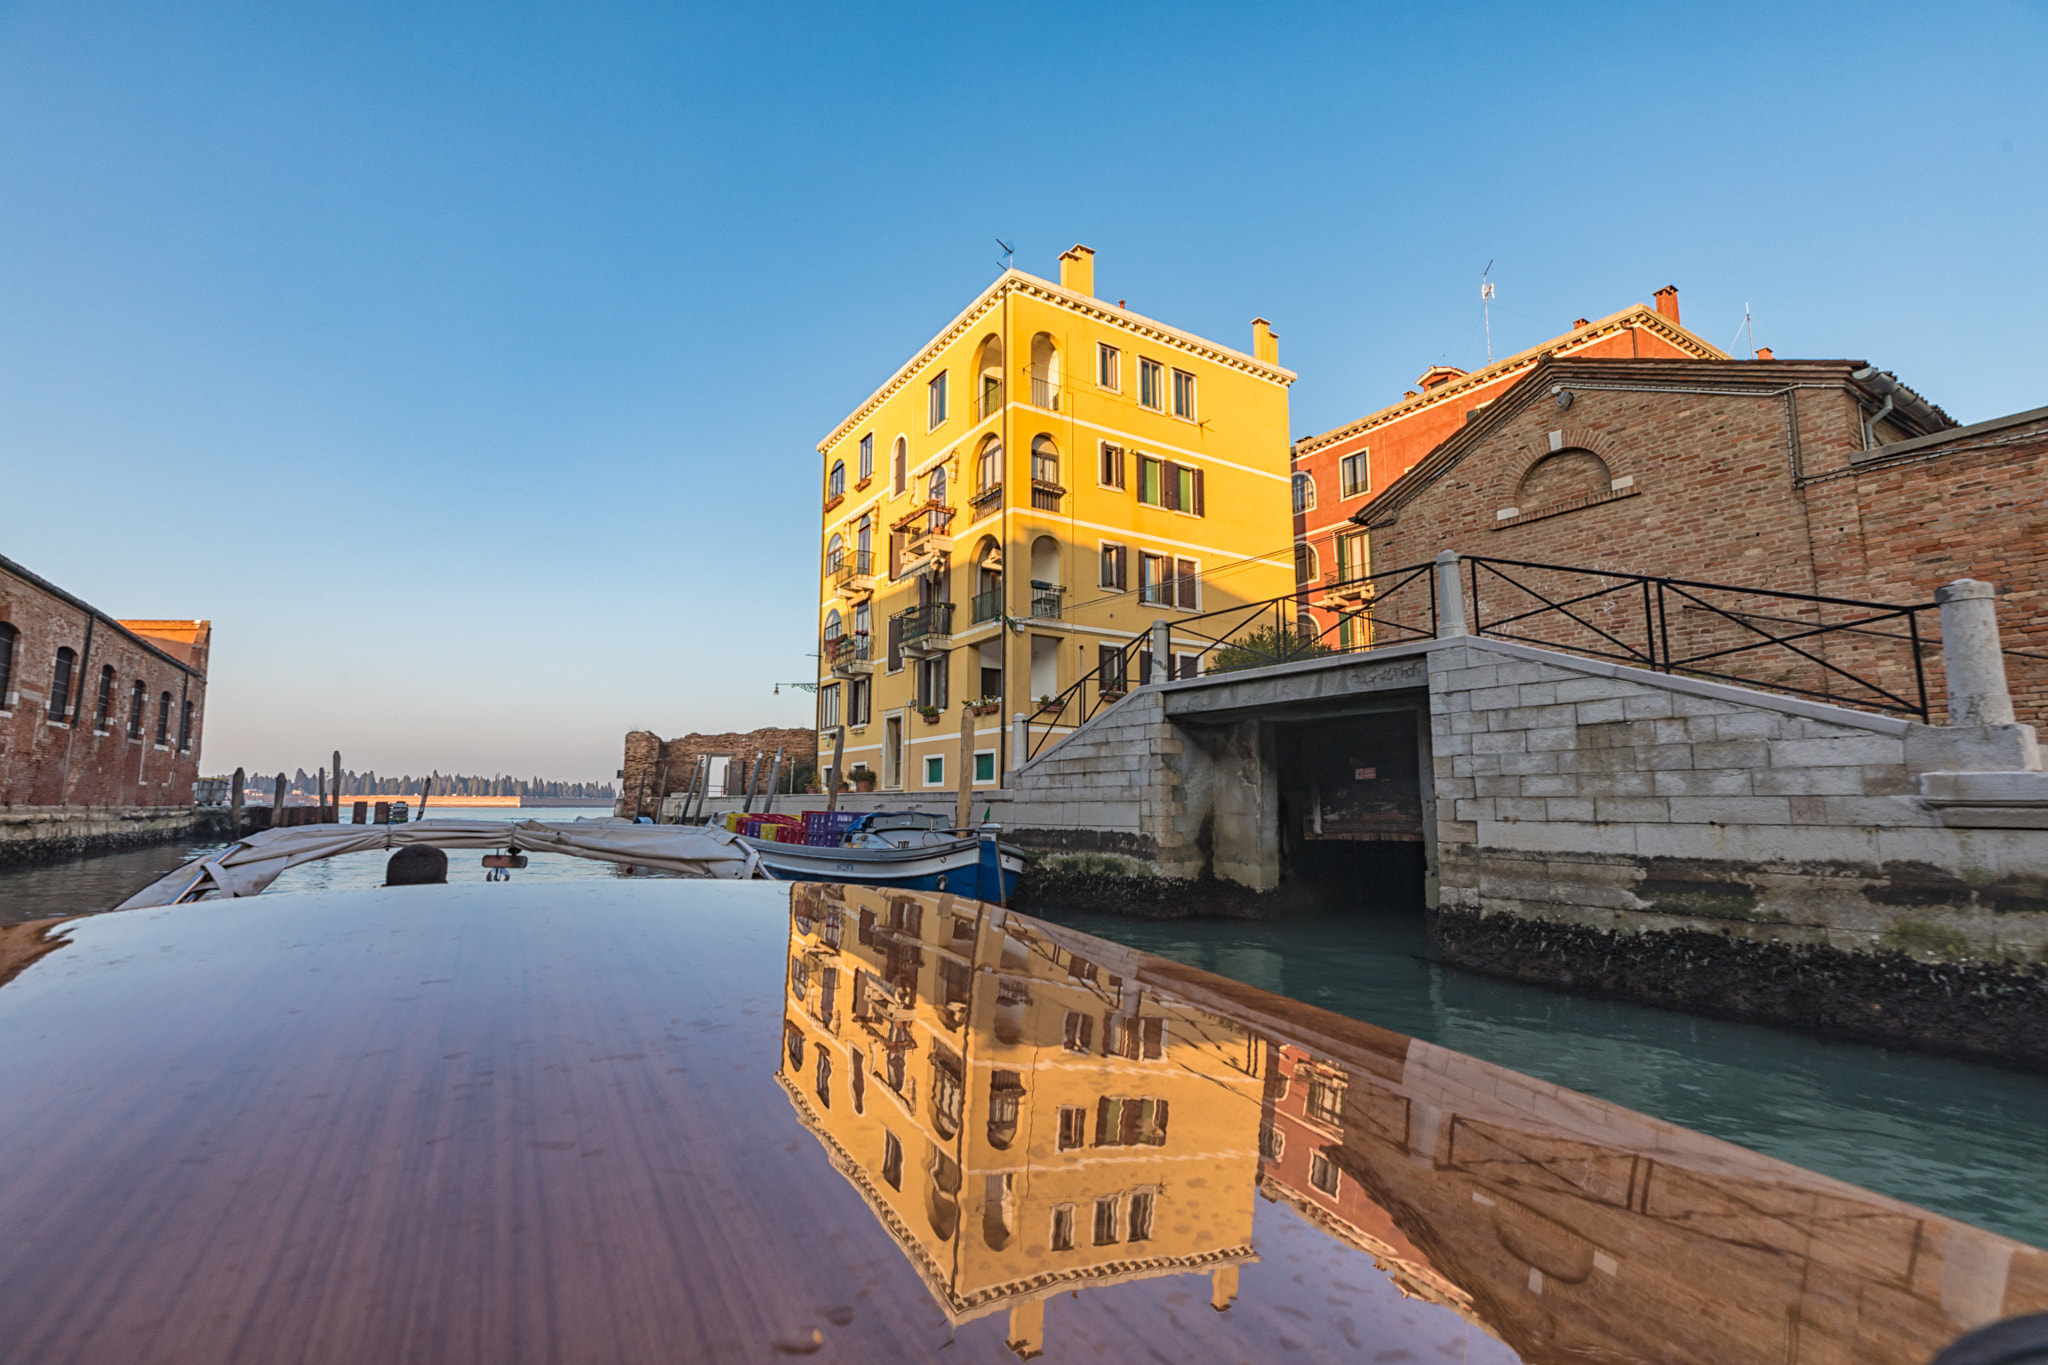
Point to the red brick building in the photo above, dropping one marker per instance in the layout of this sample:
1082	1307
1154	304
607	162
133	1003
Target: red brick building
1340	471
95	711
1825	477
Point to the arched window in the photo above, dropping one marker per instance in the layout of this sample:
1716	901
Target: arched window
1304	562
7	634
937	493
988	467
835	550
135	704
1045	475
185	728
1304	492
60	682
1305	626
163	719
901	467
1573	472
836	486
1045	373
834	625
864	544
988	386
103	703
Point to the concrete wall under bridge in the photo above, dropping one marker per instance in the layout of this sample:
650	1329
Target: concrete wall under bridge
1575	822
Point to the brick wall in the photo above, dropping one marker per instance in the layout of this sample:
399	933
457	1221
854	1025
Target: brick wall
72	758
655	766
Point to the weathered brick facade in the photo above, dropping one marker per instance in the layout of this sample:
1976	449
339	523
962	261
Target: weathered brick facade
654	766
126	732
1752	473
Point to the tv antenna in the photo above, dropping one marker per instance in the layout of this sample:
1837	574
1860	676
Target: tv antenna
1009	252
1486	306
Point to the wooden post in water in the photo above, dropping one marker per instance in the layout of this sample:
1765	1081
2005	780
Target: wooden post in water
320	804
838	757
774	775
235	805
963	810
337	788
426	790
753	781
277	804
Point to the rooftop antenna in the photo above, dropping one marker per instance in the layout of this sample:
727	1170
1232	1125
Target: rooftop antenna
1747	329
1009	252
1486	305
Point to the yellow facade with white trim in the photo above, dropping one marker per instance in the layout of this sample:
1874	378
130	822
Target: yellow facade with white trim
1025	497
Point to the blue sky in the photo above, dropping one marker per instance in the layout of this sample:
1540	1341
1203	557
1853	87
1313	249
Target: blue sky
465	364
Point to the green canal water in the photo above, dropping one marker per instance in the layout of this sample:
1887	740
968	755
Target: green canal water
1964	1140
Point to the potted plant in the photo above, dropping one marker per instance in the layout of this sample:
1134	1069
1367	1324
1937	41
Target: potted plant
1048	704
986	706
930	713
863	778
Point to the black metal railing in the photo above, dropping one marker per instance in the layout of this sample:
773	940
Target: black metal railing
1868	655
991	400
925	620
848	565
985	501
1045	393
1046	599
845	649
988	605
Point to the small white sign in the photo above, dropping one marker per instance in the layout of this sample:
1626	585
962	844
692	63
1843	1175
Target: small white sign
1365	774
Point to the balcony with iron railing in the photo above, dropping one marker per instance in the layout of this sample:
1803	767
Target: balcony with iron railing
1046	599
988	605
851	570
985	501
1045	496
847	655
926	626
1045	393
990	401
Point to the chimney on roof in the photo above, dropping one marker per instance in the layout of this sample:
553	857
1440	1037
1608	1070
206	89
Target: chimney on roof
1265	341
1764	353
1077	269
1667	303
1578	324
1437	375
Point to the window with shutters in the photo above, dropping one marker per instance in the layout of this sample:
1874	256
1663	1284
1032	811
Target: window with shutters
1183	395
1122	1121
828	706
1109	668
1138	1219
1152	579
794	1041
895	637
1354	561
857	1074
1106	1220
900	468
867	458
1137	1037
1326	1101
1304	562
1063	1227
931	682
1323	1173
1078	1032
1151	383
892	1160
859	702
1176	487
1187	584
823	1083
1110	472
1114	559
1272	1143
1073	1127
60	687
935	401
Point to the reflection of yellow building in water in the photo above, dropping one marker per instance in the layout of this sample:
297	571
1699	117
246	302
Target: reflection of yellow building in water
1023	1122
1022	499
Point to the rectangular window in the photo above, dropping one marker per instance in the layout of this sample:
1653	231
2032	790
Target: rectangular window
931	681
1109	668
895	633
1149	471
824	1080
1106	1221
1073	1127
935	399
867	457
985	765
1121	1122
1139	1038
1353	561
1326	1102
1188	666
1322	1173
858	700
1186	579
1140	1218
1183	395
1108	367
1063	1227
1152	579
1151	383
892	1159
935	770
1111	474
1351	474
1078	1032
828	706
1113	562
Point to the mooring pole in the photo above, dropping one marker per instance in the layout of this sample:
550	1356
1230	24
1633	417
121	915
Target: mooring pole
963	810
838	757
235	805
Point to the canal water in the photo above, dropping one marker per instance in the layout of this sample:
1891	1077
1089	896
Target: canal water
1962	1139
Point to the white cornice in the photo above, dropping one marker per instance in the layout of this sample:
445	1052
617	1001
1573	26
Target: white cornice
1030	285
1639	315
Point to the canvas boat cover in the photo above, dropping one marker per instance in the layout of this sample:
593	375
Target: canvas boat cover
249	865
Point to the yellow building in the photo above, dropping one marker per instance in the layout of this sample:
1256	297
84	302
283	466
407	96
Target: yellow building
1022	1120
1021	500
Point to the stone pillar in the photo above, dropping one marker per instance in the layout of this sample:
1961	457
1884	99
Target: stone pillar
1027	1328
1450	597
1162	651
1970	654
1020	740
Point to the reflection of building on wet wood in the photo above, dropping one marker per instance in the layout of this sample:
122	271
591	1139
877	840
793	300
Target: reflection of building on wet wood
1573	1229
655	768
1024	1121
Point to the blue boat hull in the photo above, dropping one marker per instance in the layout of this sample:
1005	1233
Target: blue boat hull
958	866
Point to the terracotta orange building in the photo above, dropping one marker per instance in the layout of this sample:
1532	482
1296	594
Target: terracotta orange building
1340	471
